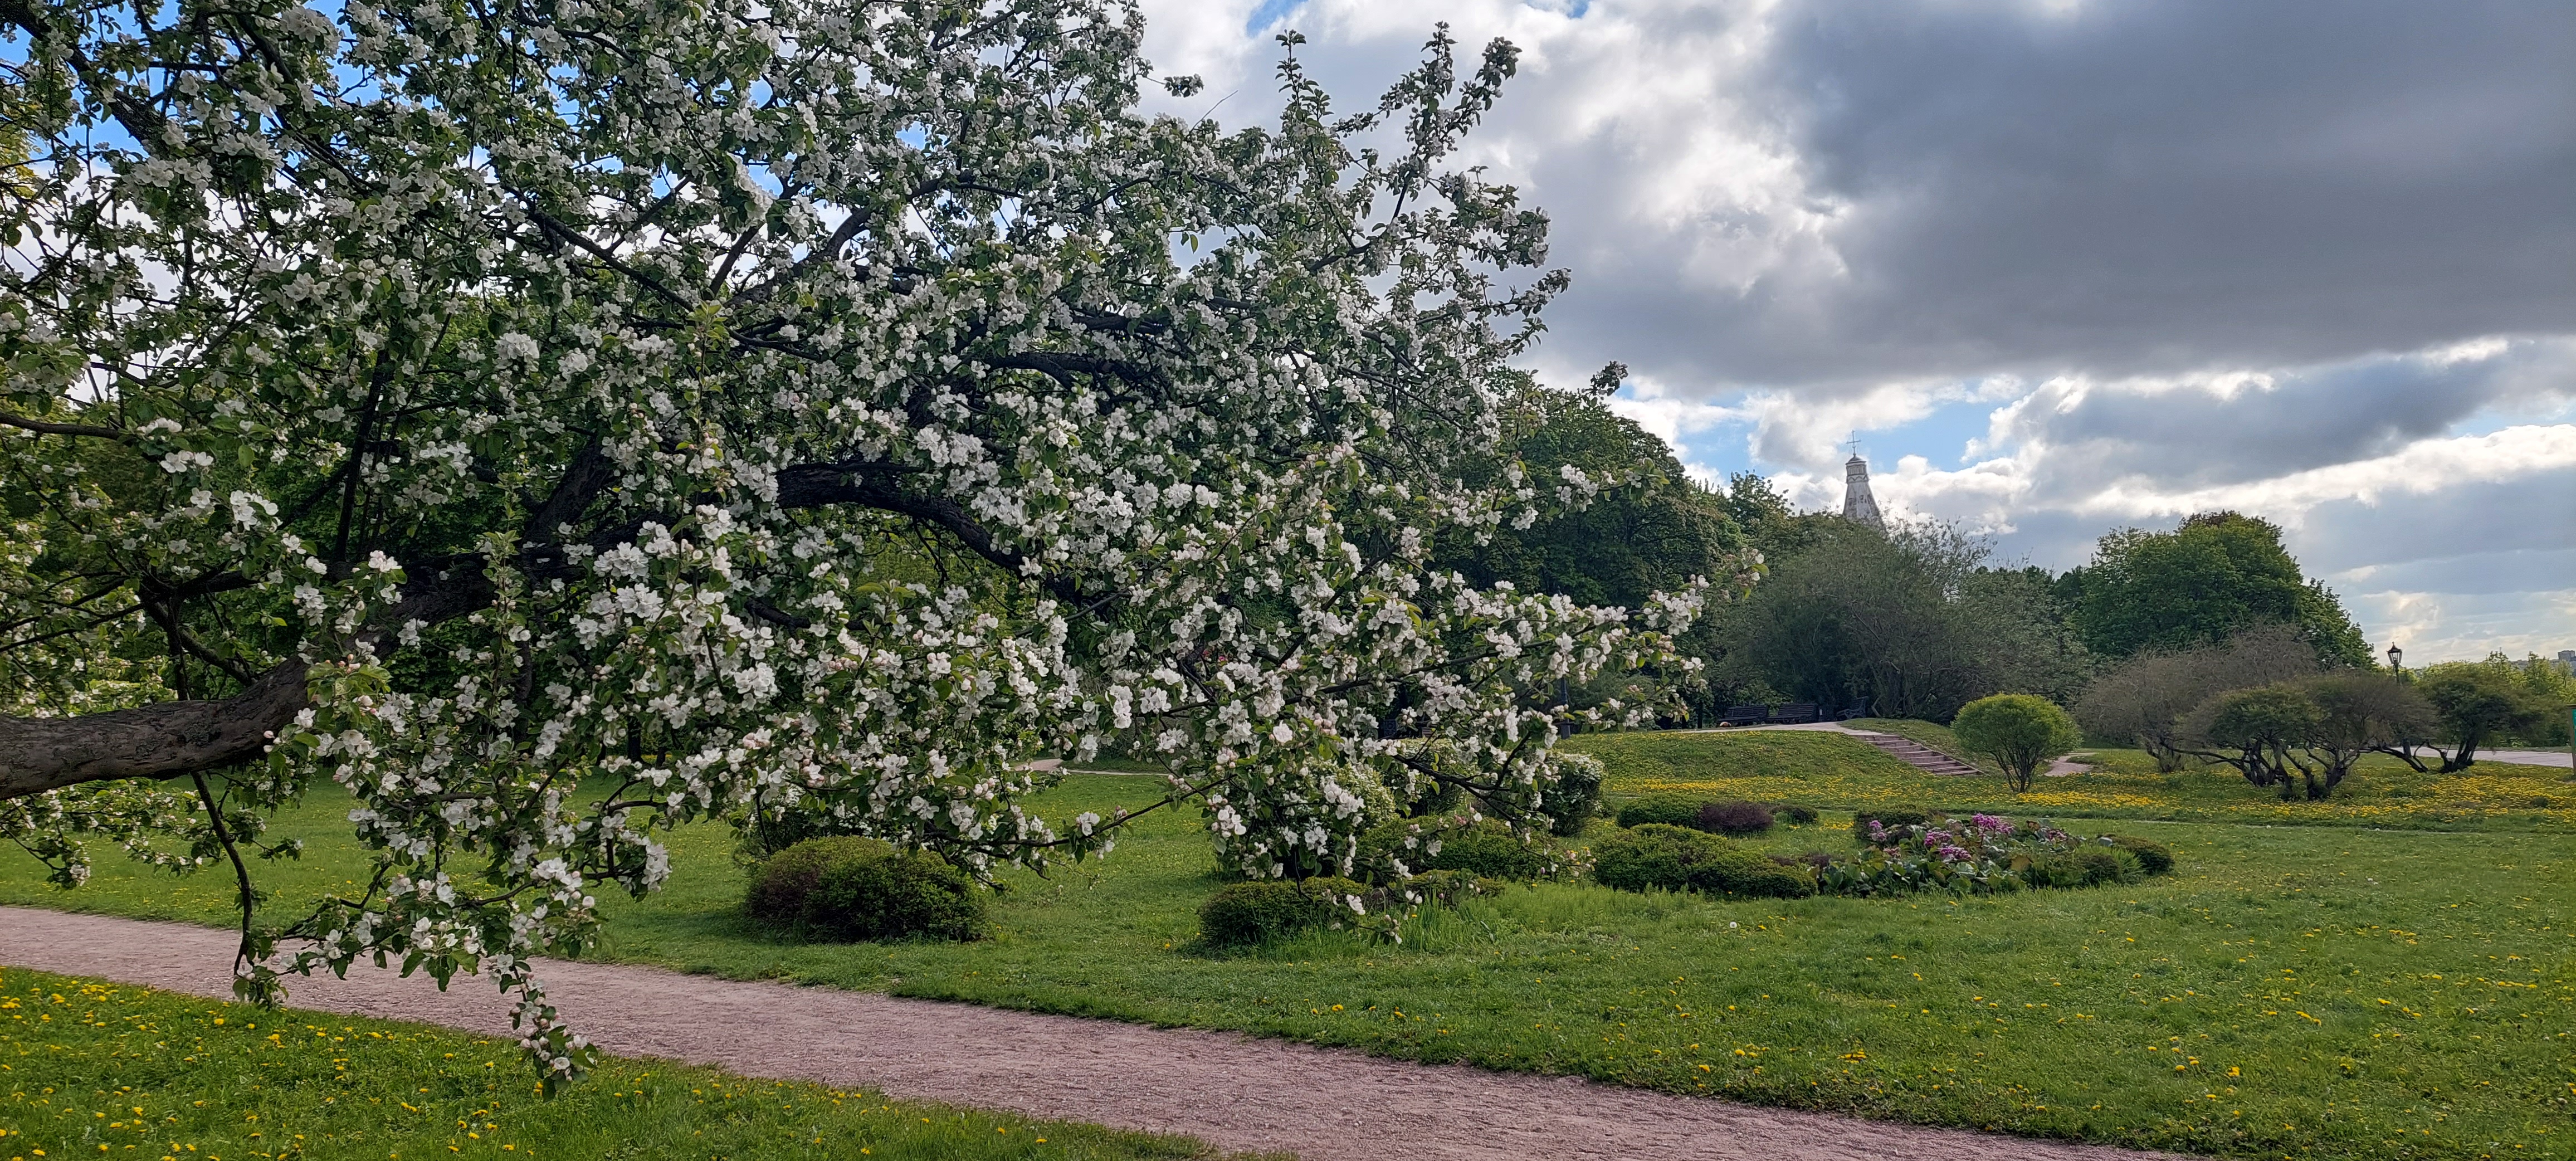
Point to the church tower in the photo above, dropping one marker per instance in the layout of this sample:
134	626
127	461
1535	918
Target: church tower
1859	506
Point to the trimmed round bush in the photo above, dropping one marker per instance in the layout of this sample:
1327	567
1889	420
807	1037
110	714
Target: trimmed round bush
2086	866
2020	731
850	888
781	883
1490	850
1660	810
1649	855
2153	857
1675	858
1577	796
1734	818
1244	914
1890	817
1801	815
1404	840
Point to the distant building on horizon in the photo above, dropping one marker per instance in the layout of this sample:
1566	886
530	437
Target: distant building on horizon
1859	506
2567	660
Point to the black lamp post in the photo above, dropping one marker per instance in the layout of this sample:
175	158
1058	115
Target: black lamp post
2397	661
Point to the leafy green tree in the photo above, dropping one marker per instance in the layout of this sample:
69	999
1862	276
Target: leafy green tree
2260	732
739	406
1912	621
2145	700
2214	577
1647	530
2022	732
2360	712
2477	704
2303	737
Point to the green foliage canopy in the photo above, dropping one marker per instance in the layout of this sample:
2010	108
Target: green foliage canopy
2021	732
2203	583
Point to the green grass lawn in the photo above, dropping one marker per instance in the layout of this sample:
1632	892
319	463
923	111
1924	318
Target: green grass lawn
1831	770
2327	989
88	1068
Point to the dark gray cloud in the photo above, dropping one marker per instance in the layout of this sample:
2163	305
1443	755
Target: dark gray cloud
1815	195
2532	512
2515	570
2125	188
2236	428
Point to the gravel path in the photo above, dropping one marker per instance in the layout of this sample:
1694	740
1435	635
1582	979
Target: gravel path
1233	1091
2528	758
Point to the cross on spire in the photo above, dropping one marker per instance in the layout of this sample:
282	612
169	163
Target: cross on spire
1855	443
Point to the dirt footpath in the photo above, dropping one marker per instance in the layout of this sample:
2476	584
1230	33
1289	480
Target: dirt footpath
1234	1091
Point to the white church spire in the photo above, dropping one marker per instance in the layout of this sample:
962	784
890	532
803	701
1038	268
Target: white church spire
1859	506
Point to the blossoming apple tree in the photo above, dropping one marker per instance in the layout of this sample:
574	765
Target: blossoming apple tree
547	422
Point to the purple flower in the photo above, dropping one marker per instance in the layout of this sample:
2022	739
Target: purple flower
1988	822
1935	836
1953	854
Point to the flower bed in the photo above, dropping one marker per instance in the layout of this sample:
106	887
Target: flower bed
1984	854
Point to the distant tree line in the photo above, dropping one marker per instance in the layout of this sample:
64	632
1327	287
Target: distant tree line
2203	644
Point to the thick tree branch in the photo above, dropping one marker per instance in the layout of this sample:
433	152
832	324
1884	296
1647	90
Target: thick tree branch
169	740
822	485
46	427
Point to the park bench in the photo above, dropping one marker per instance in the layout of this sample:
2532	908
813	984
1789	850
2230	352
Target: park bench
1805	711
1745	715
1857	709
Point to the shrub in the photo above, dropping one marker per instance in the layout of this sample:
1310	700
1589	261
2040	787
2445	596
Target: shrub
1734	818
1660	810
1405	840
1743	873
2153	857
861	888
2085	866
1243	914
1674	858
1478	848
1491	850
1436	888
1889	817
1801	815
2020	731
781	883
1648	855
1578	793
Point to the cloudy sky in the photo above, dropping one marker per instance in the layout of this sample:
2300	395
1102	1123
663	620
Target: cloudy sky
2064	265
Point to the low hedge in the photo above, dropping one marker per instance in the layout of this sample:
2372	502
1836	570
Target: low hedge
1675	858
850	888
2154	858
1244	914
1491	850
1578	794
1734	818
1480	848
1717	817
1659	810
2086	866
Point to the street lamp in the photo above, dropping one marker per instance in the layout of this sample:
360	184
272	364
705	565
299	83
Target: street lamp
2397	660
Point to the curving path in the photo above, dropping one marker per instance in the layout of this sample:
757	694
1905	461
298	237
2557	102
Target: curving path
1233	1091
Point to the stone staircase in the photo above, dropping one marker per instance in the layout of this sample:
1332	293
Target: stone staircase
1918	755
